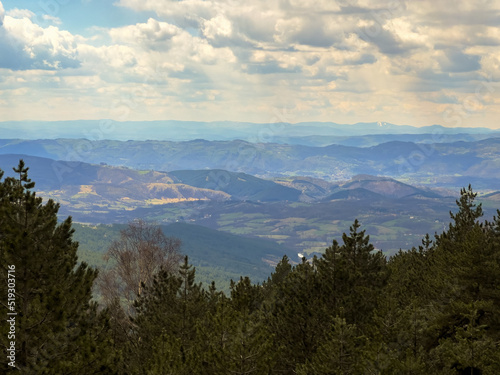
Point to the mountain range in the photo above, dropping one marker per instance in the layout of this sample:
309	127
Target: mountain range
449	165
278	131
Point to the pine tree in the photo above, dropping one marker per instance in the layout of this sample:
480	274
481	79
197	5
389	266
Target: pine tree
352	276
465	314
342	352
58	329
167	314
297	319
401	316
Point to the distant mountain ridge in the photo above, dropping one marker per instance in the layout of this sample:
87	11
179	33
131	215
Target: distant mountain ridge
451	165
217	130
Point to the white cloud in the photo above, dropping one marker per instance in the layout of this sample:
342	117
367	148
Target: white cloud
153	34
51	19
219	26
26	45
20	13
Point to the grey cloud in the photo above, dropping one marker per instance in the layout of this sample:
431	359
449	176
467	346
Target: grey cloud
480	17
486	41
459	62
443	99
384	40
236	42
351	9
270	67
12	55
365	58
436	81
192	73
248	25
314	33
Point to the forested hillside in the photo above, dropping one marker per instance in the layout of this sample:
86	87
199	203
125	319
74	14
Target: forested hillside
429	310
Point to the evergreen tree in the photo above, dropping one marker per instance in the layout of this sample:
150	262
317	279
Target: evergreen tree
58	330
465	312
167	314
401	317
297	319
342	353
352	276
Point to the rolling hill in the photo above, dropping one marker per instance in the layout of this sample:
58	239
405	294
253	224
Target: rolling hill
102	187
386	187
450	165
354	193
239	186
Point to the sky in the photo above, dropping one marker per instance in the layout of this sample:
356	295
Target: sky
405	62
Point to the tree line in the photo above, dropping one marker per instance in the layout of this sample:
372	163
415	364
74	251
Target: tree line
434	309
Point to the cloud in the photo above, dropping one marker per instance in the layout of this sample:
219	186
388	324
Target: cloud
271	67
20	13
2	14
26	45
456	61
153	34
185	13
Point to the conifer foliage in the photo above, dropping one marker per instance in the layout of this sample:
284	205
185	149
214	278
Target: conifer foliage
57	328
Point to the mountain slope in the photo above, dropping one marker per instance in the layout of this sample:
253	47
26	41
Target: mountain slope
355	193
386	187
240	186
105	187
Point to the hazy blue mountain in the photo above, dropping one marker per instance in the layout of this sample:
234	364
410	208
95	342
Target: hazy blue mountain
442	164
376	139
493	196
218	130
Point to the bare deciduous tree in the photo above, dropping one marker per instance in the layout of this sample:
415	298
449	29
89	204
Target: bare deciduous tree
142	250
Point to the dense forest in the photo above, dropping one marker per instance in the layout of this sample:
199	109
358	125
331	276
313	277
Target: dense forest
434	309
